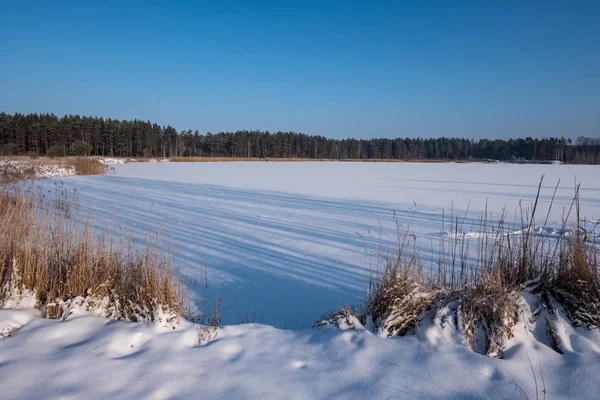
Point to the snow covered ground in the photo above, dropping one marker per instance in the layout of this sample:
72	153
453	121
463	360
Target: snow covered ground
282	243
37	170
94	358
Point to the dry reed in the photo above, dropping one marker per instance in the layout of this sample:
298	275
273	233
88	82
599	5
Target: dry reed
87	166
485	288
62	258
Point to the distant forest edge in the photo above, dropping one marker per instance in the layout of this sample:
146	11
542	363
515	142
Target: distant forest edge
47	134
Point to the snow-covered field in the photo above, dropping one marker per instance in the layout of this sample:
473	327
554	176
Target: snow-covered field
282	243
86	357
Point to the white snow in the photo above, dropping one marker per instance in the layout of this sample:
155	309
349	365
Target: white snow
287	242
94	358
284	243
44	170
40	170
112	160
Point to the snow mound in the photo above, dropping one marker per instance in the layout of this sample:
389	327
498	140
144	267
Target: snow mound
36	170
153	160
542	231
54	171
111	160
90	357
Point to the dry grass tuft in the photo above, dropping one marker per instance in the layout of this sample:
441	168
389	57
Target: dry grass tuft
87	166
397	299
484	289
66	263
577	283
11	172
21	170
344	318
210	324
488	311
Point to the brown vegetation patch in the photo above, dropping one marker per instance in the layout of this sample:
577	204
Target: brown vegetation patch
48	252
486	295
87	166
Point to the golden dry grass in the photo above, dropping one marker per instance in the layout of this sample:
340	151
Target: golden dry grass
42	159
487	295
87	166
43	249
13	173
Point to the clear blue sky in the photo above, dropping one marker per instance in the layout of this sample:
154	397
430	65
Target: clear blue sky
336	68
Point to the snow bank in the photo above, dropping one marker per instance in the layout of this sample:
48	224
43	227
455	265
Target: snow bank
542	231
40	170
111	161
309	255
36	169
54	171
89	357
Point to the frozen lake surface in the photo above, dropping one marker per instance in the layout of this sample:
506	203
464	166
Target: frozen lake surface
282	243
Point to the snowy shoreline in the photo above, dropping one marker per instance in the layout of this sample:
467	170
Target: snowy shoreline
92	357
290	242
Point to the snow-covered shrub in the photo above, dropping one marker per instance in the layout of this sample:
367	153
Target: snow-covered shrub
344	318
577	282
404	312
399	294
14	171
487	313
483	296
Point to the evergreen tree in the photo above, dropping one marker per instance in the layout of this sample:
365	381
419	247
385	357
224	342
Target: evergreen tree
47	134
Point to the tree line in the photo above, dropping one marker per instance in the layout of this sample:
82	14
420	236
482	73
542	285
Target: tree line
48	134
